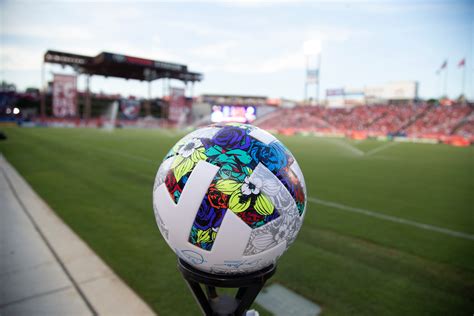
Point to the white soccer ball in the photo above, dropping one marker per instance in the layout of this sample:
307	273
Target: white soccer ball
229	199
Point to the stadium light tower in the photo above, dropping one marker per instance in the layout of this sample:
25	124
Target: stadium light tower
312	52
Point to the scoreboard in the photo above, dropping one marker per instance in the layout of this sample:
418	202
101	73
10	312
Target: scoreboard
233	113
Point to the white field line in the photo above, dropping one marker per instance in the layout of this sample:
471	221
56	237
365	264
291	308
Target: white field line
380	148
394	219
168	133
347	146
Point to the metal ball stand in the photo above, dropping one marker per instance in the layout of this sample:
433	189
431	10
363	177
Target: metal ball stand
213	304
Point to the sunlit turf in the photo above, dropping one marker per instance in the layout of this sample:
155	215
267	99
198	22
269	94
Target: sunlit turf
100	183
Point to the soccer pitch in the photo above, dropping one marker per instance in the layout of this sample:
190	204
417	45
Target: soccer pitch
389	227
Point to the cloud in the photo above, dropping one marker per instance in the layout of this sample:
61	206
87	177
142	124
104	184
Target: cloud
216	50
281	51
18	58
258	3
331	34
203	29
23	44
42	31
291	61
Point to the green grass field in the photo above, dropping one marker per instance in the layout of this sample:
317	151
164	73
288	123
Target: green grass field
350	263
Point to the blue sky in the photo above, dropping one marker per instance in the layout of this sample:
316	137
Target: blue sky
248	47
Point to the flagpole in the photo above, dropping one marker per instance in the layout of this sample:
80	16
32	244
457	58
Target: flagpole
318	79
464	80
446	82
306	81
438	81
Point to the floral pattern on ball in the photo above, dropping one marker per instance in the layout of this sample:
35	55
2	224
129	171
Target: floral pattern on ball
241	197
183	164
237	154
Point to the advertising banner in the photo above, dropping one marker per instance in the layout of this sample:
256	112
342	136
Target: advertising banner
130	108
177	110
64	96
231	113
335	92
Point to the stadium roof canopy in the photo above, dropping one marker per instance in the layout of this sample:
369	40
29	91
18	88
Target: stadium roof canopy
122	66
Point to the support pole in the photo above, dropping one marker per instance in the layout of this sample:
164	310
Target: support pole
163	93
446	82
306	80
305	92
318	82
43	94
148	100
76	99
438	82
87	103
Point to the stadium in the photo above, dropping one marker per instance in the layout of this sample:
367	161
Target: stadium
388	226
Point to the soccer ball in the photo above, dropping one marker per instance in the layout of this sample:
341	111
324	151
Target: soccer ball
229	199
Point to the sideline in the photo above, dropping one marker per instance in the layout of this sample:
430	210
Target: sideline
394	219
78	270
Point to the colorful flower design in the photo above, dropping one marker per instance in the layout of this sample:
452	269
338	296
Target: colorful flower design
190	148
216	198
232	137
237	154
273	156
188	154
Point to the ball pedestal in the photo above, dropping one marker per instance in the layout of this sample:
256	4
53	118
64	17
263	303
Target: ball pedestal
213	304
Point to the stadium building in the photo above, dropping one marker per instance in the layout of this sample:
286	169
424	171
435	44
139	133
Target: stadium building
400	92
391	110
61	99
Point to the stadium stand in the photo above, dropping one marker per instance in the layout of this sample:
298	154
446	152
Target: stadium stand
396	117
412	120
466	128
299	118
439	121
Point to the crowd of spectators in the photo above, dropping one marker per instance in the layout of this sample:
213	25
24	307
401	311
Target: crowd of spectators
299	119
355	119
412	120
396	117
440	120
466	128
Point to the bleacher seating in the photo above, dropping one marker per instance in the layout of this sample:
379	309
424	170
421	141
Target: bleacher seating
466	128
412	120
439	120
